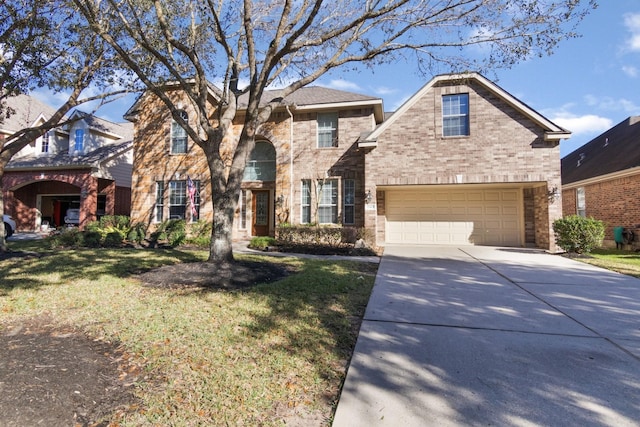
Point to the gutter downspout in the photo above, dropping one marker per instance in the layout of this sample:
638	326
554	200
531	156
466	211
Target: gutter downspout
291	221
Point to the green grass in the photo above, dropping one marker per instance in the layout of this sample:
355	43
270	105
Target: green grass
239	357
624	262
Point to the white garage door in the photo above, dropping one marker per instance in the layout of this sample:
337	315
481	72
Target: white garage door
458	217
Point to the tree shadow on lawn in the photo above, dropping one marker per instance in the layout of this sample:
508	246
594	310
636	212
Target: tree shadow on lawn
316	316
35	269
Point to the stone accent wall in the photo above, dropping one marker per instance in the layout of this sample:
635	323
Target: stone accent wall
504	146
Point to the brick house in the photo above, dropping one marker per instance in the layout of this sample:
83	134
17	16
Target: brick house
462	162
306	166
484	172
84	166
601	179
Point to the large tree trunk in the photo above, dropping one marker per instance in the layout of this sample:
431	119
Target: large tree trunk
221	249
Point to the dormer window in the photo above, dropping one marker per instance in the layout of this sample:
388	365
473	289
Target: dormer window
44	148
78	144
455	115
179	135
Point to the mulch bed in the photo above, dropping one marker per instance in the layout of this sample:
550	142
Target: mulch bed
60	377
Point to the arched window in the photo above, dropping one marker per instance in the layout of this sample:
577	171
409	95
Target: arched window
261	165
179	135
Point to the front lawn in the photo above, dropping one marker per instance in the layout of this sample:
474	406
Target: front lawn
261	355
625	262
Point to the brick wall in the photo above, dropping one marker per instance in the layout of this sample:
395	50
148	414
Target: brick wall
504	146
615	201
152	161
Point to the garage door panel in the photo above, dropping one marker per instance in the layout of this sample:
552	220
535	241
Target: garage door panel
481	217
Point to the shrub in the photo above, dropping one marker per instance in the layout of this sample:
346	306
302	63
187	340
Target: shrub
92	239
68	237
262	242
314	235
199	234
113	240
577	234
173	231
137	233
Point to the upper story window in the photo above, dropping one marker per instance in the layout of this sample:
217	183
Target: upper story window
455	115
45	143
179	135
581	205
78	143
262	163
327	130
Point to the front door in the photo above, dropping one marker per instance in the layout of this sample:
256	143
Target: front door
260	226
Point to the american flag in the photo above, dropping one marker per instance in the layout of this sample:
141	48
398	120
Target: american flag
191	189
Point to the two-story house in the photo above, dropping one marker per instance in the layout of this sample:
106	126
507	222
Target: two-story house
306	166
461	162
83	168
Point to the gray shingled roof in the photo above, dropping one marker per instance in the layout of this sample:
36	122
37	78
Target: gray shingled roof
615	150
124	129
27	110
64	160
312	95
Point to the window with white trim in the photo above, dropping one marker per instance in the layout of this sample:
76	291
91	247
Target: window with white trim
177	199
78	143
44	148
455	115
327	130
182	205
328	201
159	206
242	202
349	201
179	135
305	202
581	206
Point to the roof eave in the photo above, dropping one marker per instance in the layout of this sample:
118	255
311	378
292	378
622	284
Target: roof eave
556	135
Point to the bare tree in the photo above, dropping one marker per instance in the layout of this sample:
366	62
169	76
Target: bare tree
43	43
294	42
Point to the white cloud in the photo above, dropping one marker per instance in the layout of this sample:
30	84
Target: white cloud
630	70
585	124
632	22
607	103
341	84
383	90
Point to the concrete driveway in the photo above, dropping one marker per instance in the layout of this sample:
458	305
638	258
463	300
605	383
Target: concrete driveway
494	336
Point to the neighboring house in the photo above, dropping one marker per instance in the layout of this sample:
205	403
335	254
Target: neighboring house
461	162
601	179
84	165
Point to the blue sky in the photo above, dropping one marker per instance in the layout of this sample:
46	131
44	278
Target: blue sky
589	85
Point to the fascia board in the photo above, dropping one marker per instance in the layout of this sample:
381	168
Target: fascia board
600	178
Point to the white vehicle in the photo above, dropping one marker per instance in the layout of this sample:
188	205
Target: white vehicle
9	226
72	217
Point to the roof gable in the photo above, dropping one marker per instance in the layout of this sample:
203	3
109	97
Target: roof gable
613	151
27	112
552	131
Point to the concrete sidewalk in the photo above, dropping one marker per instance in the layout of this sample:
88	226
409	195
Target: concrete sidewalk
494	336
